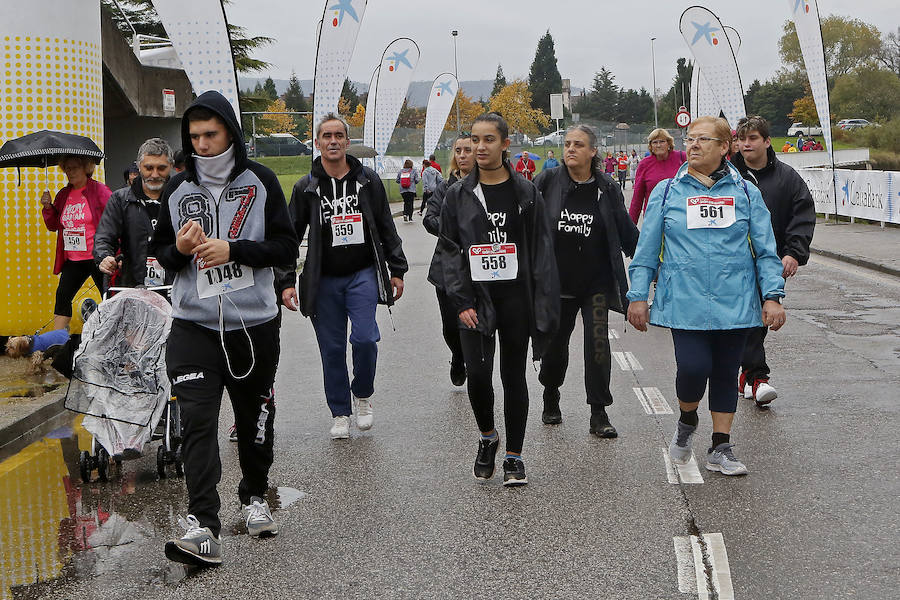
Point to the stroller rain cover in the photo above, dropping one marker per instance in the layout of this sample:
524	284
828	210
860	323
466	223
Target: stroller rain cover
119	378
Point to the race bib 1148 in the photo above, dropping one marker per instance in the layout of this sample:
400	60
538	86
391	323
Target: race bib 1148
493	262
708	212
223	279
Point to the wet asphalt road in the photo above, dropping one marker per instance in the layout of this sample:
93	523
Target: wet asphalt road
395	512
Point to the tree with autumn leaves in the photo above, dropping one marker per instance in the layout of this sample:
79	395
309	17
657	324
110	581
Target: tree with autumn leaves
514	103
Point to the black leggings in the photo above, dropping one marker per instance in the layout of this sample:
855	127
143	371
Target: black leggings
713	356
450	326
72	276
513	326
409	199
555	362
425	197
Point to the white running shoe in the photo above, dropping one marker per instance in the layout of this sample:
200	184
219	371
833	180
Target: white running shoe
364	417
259	518
763	393
748	392
340	429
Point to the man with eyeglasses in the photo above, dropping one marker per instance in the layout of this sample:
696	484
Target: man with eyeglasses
793	221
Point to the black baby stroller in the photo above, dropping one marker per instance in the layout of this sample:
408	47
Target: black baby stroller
119	382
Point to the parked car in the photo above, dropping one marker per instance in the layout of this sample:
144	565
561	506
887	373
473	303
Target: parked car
280	144
799	128
850	124
551	139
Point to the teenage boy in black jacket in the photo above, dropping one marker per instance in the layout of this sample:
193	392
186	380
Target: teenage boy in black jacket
793	221
354	262
223	226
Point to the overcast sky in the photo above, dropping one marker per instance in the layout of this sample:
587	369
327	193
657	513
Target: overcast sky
588	34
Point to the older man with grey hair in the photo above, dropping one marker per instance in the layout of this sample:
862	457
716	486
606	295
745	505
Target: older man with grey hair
130	219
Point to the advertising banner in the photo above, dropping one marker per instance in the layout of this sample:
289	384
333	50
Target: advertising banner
440	102
872	195
713	54
398	63
369	124
54	80
703	101
199	34
805	14
338	31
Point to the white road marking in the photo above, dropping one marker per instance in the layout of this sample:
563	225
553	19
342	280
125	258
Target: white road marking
691	570
627	361
613	334
652	400
687	473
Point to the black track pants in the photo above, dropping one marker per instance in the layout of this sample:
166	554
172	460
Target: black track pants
513	326
450	326
196	365
555	362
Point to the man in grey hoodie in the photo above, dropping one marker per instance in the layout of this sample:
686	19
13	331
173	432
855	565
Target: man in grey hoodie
223	226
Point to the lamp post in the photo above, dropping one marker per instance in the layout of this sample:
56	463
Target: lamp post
455	33
653	62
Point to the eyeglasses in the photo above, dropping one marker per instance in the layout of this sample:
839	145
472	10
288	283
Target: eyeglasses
702	140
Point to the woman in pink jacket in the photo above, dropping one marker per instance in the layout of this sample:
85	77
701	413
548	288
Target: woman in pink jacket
74	214
662	163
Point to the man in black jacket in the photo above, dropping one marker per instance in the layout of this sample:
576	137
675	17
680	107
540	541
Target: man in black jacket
223	226
591	231
130	219
354	262
793	221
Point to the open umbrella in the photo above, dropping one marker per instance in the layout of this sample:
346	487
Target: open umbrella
531	155
361	151
45	148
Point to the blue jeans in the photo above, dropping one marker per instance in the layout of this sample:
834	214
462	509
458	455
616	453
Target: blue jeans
355	297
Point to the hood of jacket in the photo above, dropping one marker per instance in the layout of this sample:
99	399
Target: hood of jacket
738	161
215	102
318	169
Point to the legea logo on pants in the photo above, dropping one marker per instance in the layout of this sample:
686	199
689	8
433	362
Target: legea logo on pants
188	377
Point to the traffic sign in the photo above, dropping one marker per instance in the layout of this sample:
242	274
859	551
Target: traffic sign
683	117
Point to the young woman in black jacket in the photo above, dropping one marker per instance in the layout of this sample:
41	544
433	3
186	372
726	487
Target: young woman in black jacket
461	164
496	254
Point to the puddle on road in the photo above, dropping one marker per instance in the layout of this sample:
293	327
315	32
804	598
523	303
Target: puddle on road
54	528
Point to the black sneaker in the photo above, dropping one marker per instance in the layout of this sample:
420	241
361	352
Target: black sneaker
600	425
232	434
551	415
484	462
457	373
514	472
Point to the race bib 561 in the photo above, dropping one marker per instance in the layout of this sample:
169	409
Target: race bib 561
708	212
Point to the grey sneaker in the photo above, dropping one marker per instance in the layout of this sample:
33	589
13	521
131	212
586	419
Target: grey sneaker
198	546
259	518
722	459
680	446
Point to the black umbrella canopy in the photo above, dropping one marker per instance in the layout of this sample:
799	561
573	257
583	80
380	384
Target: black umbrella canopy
45	148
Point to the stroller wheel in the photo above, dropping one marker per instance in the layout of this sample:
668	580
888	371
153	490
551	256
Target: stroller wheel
103	464
161	462
84	463
179	465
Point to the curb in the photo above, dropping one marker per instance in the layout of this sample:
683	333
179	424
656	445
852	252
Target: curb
859	262
20	433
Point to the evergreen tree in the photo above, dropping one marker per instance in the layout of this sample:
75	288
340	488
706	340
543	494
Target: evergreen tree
499	81
601	101
350	96
293	97
544	78
269	89
774	100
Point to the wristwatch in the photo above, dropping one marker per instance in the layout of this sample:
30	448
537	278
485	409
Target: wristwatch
774	299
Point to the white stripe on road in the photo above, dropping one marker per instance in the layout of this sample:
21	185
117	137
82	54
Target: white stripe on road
692	571
652	400
627	361
687	473
613	334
